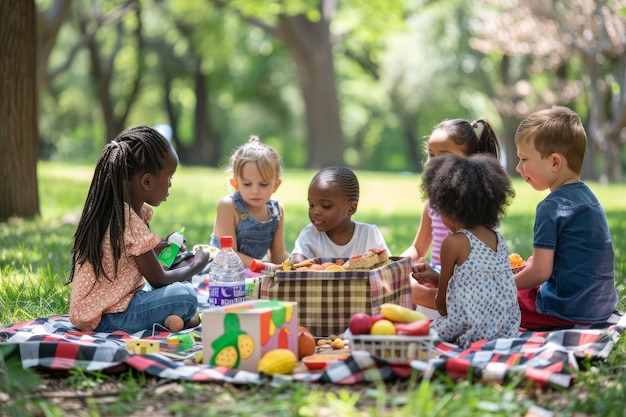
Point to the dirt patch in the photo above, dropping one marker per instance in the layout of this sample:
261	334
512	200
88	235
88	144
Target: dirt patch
159	397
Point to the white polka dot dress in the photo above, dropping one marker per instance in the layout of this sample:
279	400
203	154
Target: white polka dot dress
481	299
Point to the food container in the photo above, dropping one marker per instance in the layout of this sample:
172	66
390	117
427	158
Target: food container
398	348
321	361
239	335
328	299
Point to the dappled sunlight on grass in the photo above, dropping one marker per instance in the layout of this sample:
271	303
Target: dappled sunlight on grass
29	295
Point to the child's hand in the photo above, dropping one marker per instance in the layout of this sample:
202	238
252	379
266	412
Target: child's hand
201	257
164	243
183	248
425	275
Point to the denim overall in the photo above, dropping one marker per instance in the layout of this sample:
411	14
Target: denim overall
253	236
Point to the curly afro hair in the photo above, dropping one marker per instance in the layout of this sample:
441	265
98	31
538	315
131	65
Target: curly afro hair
472	190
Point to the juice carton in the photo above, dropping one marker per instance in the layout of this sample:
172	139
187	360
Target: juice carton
237	336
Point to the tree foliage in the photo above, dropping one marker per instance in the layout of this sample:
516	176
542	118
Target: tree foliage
326	82
559	52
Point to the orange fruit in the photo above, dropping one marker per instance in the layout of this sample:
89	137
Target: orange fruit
306	344
333	267
516	260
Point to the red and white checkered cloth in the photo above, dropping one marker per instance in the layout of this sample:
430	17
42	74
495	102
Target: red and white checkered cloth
548	358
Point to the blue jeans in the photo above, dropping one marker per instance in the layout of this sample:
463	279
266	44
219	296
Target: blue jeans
149	307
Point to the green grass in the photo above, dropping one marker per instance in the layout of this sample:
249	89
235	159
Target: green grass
35	262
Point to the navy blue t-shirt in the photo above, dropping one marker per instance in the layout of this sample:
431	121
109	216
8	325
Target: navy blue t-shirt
571	221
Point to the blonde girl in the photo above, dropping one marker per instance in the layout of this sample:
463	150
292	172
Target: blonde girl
250	215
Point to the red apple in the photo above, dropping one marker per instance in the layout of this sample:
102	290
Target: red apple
360	323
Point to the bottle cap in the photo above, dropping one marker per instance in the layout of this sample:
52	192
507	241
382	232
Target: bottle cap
257	265
177	238
226	242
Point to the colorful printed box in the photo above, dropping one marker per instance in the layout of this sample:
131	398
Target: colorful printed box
237	336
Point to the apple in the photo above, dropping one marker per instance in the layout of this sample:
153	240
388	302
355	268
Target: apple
360	323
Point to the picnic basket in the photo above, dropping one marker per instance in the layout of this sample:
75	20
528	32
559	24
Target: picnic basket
327	299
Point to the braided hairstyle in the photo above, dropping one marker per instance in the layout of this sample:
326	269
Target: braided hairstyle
472	190
133	152
345	179
464	134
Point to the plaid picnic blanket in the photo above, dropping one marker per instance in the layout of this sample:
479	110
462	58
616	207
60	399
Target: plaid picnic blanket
548	358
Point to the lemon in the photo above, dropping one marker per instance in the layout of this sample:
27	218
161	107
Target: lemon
334	268
383	327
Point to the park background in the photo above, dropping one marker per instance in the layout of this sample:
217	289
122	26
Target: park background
326	82
350	82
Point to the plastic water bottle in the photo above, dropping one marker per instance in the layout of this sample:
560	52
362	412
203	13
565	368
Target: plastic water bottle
227	278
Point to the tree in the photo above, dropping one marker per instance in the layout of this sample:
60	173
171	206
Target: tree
49	24
537	39
117	90
415	88
18	110
192	25
305	32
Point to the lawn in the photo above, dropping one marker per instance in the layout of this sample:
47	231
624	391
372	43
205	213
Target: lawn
35	261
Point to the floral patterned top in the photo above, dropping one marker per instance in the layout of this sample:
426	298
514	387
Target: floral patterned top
91	297
482	297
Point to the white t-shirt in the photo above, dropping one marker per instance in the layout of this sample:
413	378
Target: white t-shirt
314	244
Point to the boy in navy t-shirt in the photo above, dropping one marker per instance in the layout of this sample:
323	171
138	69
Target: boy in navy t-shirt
570	280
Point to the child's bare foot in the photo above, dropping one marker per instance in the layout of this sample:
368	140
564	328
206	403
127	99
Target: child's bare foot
174	323
194	322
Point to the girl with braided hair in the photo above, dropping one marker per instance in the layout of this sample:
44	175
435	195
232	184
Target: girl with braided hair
333	200
456	137
114	249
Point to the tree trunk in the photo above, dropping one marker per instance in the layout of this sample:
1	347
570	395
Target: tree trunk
19	136
103	72
413	144
310	47
612	158
49	24
205	149
508	150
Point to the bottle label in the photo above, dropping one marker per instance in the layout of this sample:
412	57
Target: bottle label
168	254
224	295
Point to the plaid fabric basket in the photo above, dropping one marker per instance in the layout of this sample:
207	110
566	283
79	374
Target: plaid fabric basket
326	300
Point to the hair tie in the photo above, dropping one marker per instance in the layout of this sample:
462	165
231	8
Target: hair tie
474	124
255	143
114	143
